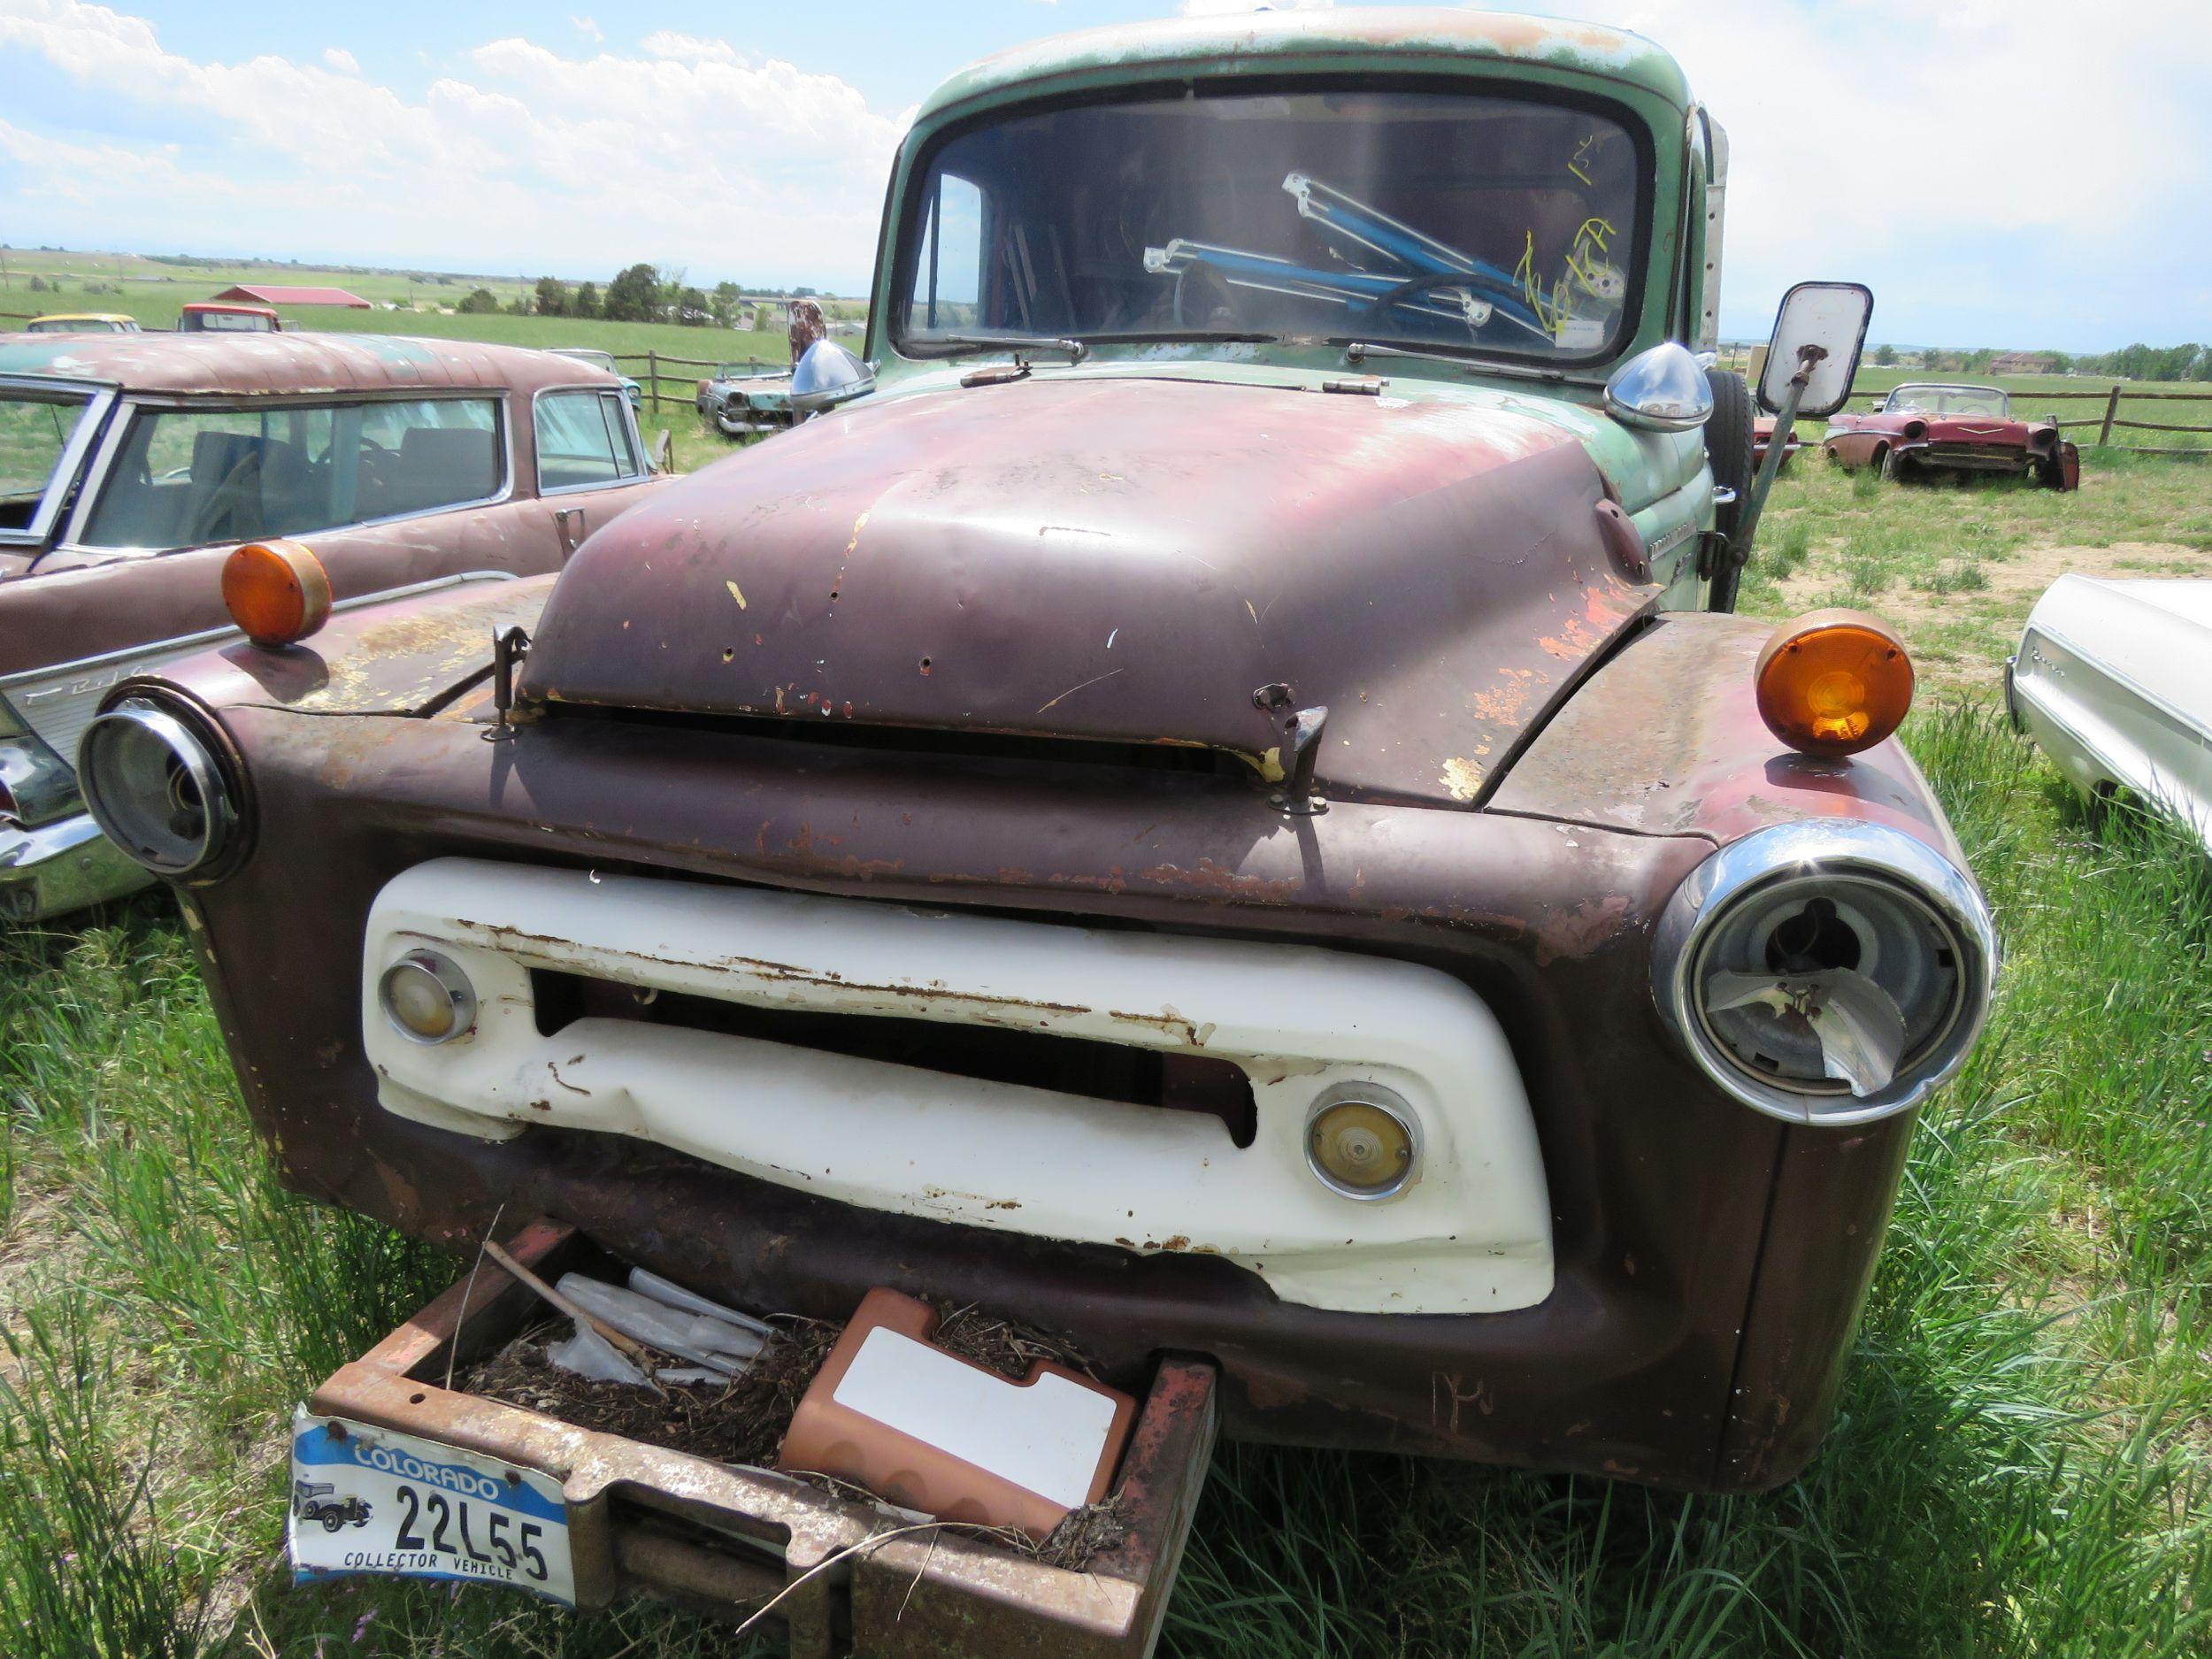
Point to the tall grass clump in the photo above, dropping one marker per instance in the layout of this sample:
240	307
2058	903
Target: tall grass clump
85	1570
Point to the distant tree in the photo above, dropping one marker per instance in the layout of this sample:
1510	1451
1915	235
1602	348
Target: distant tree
1886	357
552	299
39	285
478	303
727	297
586	300
633	296
522	305
693	309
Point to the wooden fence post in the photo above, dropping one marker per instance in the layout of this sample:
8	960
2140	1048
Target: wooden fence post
653	376
2111	412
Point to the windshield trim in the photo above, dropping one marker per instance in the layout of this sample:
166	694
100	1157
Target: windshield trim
895	304
98	397
2003	412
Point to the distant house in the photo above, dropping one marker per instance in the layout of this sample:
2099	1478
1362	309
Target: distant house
2023	363
268	294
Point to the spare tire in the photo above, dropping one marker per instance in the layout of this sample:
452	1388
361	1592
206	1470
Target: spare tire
1728	451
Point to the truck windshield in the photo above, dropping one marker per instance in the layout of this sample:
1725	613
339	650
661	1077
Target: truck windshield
1500	227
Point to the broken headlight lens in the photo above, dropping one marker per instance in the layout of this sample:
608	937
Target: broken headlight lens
1829	973
150	776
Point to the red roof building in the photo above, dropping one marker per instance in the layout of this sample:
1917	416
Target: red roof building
258	294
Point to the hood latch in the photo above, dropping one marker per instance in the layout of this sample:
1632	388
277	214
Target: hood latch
1301	733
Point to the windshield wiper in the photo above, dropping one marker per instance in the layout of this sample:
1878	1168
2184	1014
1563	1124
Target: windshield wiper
1357	351
1182	336
1075	348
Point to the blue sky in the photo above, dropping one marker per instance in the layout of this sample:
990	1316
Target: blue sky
1907	143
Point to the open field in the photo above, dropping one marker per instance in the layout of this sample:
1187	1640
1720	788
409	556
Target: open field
152	289
2023	1465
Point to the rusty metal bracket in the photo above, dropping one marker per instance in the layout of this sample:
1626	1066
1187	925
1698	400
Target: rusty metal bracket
1301	733
508	648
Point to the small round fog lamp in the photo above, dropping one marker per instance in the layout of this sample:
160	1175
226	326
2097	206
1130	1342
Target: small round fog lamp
427	998
1363	1141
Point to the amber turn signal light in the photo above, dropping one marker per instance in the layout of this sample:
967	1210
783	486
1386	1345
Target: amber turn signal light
277	591
1833	682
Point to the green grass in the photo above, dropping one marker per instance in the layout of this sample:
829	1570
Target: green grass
2020	1466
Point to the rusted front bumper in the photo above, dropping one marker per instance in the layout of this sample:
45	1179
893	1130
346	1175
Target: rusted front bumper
729	1539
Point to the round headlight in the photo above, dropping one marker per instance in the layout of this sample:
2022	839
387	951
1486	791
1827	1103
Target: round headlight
427	997
154	788
1829	973
1363	1141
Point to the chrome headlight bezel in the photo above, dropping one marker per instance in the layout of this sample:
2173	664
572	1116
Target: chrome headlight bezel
112	759
1845	852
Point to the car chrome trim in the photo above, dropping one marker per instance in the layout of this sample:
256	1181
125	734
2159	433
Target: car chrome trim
1813	848
60	867
30	695
1472	1233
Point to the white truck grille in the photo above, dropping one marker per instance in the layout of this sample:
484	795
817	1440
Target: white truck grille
1472	1233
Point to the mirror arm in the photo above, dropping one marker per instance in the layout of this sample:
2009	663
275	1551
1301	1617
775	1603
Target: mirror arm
1808	358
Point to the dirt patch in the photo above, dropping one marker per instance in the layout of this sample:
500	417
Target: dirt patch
1952	635
2013	582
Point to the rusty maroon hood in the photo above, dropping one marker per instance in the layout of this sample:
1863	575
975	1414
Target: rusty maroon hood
1119	558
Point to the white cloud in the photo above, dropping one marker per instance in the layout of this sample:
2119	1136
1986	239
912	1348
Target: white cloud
588	26
2005	168
342	60
688	151
1231	8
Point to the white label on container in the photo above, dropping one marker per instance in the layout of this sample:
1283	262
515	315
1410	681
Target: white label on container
1046	1436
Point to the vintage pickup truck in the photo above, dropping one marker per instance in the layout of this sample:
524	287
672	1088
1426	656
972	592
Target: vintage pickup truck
1205	805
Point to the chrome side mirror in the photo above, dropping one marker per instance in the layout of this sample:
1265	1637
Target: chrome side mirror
1662	389
827	375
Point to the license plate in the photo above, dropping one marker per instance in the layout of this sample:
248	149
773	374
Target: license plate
366	1499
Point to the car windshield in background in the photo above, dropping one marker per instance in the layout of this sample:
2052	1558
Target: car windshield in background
1492	225
1950	400
34	431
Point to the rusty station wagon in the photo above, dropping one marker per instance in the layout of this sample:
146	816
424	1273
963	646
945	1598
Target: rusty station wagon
134	465
1208	805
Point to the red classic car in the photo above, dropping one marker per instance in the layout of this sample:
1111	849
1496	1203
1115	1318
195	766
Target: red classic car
1763	434
1953	429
